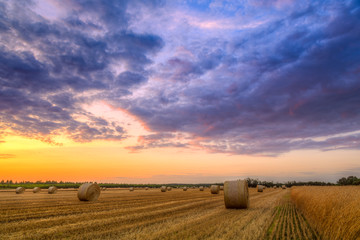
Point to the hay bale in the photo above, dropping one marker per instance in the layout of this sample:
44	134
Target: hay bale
260	188
89	192
185	189
36	189
274	187
236	194
221	187
283	187
104	189
131	189
163	189
215	189
146	188
52	190
20	190
169	188
201	188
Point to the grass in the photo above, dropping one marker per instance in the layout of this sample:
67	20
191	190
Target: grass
333	211
120	214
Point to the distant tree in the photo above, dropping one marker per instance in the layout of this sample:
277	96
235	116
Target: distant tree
252	182
357	182
350	180
342	181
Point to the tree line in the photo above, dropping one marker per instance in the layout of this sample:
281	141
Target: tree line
46	184
351	180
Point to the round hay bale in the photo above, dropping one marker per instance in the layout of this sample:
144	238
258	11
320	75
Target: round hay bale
274	187
236	194
215	189
52	190
260	188
201	188
104	188
184	188
169	188
146	188
131	189
89	192
36	189
221	187
20	190
283	187
163	189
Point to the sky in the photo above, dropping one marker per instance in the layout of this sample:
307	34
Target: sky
179	91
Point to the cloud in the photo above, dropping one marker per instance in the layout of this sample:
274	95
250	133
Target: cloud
273	89
174	178
49	68
349	172
6	156
127	79
283	79
159	140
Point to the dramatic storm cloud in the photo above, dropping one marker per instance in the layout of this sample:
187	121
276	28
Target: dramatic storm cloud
49	67
258	78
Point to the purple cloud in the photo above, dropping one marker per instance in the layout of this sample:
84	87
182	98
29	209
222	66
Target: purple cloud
274	89
45	66
240	78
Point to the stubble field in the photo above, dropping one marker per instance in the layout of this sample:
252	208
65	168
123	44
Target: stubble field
150	214
333	211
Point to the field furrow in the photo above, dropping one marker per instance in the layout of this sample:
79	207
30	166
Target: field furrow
288	223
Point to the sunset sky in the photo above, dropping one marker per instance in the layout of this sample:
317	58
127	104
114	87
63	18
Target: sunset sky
179	91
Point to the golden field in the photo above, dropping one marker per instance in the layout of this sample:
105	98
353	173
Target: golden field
297	213
333	211
120	214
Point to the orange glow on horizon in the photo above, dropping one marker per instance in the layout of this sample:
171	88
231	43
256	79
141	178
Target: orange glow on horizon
25	159
103	161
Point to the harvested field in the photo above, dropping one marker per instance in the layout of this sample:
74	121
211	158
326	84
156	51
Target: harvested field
333	211
289	223
151	214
